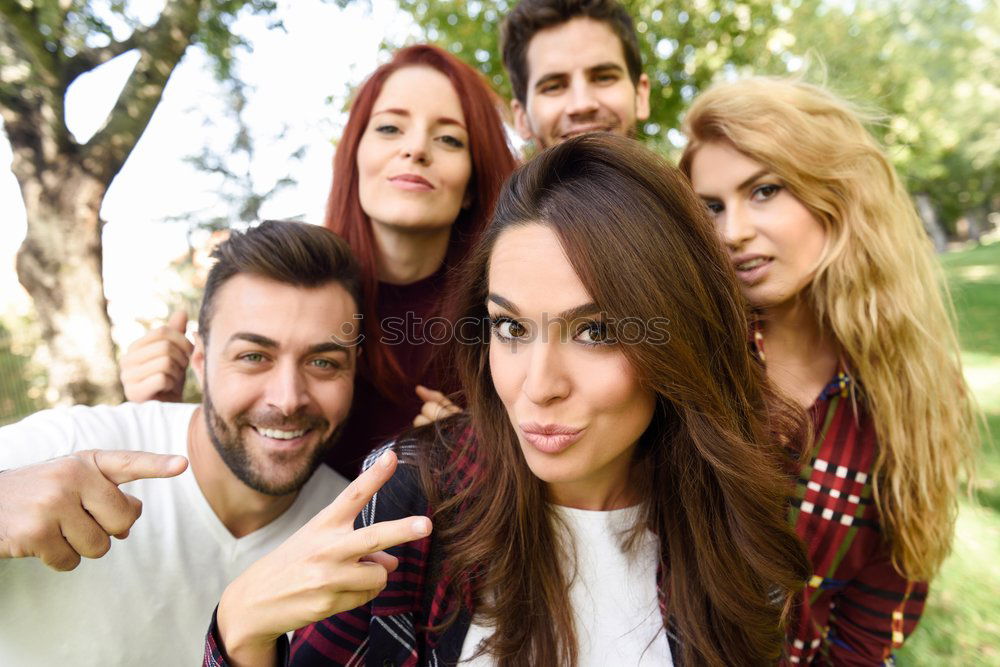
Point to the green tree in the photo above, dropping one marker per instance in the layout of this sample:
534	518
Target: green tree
931	72
45	45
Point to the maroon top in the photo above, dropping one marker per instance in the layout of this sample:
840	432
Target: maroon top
405	311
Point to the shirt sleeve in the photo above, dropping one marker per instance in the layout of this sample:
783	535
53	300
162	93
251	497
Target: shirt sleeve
349	637
873	615
381	629
215	655
38	437
61	431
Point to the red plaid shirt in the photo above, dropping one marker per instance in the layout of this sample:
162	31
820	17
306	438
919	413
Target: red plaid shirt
856	608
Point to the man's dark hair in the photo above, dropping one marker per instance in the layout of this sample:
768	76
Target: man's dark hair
530	16
293	253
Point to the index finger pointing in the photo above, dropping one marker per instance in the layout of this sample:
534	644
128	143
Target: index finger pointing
120	466
353	499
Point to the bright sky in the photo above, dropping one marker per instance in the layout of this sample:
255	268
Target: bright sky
293	74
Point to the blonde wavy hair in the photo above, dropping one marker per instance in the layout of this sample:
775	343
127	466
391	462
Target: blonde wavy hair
878	288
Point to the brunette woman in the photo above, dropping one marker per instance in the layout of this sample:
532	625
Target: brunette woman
613	494
853	323
416	174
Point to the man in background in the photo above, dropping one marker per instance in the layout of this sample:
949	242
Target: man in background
574	67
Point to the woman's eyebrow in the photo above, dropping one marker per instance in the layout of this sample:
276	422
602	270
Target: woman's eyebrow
748	182
447	120
397	112
577	312
443	120
502	302
569	314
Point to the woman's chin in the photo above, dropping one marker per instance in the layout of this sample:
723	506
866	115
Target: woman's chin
413	222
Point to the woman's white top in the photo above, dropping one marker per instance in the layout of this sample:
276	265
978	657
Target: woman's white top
615	605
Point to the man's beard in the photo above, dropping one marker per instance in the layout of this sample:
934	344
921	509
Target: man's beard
229	443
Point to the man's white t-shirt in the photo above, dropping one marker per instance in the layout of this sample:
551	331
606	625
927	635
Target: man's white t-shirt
149	601
616	610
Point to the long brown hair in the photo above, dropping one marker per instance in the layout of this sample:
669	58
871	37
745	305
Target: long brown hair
492	162
708	465
878	288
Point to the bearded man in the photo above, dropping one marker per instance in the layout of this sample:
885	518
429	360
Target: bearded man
275	356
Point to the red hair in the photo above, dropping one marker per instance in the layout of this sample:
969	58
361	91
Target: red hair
492	163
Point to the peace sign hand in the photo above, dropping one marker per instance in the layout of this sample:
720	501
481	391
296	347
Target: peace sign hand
325	568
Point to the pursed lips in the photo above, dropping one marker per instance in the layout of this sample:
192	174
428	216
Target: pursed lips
550	438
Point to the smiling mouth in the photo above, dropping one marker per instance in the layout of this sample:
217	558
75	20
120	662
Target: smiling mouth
279	434
411	182
752	264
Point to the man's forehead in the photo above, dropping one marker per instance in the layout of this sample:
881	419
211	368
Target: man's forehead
253	303
578	44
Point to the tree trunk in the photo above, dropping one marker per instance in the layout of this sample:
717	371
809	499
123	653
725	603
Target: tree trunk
929	216
977	223
44	47
59	265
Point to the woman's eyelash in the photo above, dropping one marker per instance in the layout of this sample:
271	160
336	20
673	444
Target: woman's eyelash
599	333
496	326
767	189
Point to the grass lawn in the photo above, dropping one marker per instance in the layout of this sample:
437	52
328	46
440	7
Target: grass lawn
961	625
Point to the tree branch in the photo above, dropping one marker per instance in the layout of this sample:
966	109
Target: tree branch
31	106
161	47
92	58
25	23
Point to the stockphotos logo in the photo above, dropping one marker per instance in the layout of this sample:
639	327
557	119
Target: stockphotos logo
412	329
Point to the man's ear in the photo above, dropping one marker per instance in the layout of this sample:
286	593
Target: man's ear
198	360
642	98
521	123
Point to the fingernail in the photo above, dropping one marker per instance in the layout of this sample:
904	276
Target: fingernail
385	461
421	526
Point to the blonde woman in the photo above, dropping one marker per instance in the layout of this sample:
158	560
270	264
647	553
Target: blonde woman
854	324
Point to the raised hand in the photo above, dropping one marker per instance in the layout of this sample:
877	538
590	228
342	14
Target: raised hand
436	406
153	367
70	507
325	568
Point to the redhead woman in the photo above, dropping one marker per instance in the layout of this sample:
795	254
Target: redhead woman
853	324
416	174
613	494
